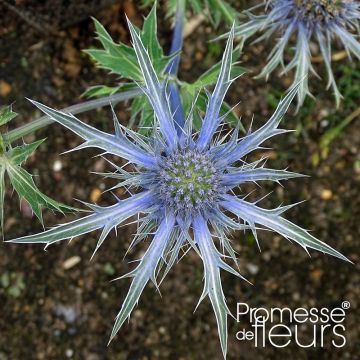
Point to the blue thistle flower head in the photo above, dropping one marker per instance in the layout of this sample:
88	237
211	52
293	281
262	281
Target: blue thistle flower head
182	188
304	21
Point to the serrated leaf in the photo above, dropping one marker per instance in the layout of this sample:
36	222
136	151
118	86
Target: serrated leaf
22	182
149	35
121	59
124	65
25	187
2	196
103	36
19	154
6	115
118	58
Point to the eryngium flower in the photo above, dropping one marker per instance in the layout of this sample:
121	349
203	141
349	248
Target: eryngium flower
304	21
184	189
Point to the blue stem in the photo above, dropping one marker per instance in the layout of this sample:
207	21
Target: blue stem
176	45
177	38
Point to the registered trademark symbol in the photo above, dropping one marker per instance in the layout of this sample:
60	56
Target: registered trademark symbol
345	305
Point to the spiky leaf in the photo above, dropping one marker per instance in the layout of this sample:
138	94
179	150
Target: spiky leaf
23	183
25	187
6	115
20	153
215	10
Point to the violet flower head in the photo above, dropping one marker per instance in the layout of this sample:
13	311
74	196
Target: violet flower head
303	21
182	188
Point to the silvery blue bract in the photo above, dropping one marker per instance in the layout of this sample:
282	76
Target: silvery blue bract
305	20
183	188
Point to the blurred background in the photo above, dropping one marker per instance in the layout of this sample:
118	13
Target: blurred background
56	304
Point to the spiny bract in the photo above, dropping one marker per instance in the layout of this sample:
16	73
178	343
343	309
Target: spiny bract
183	184
305	20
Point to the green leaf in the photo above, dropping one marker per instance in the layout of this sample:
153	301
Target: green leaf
10	161
210	76
2	195
25	187
196	5
231	117
118	58
188	97
121	59
19	154
124	65
189	92
6	115
215	10
141	109
149	35
2	145
146	3
221	10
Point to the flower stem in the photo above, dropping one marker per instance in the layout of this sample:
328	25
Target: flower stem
176	45
39	123
177	37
